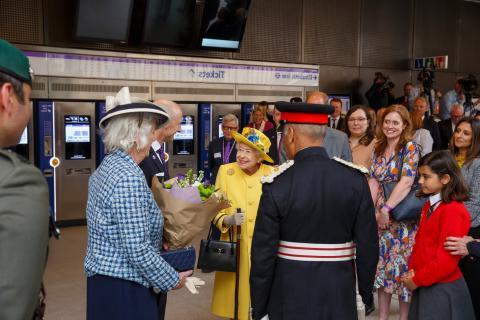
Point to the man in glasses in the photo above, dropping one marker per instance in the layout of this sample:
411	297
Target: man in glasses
24	201
222	150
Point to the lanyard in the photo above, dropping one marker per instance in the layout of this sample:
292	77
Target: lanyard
226	157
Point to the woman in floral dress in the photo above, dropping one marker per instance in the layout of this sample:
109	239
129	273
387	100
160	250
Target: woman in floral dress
396	159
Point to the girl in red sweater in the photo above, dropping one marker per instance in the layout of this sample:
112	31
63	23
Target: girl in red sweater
439	290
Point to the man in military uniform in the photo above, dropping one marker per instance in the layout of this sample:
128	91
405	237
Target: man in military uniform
313	213
24	205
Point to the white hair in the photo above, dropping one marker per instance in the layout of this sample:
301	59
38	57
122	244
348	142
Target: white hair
230	117
123	131
457	106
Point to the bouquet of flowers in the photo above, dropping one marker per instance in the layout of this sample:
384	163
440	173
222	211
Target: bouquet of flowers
188	204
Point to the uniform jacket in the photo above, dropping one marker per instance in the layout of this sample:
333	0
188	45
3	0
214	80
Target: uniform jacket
24	218
152	166
244	192
215	155
336	144
431	262
317	200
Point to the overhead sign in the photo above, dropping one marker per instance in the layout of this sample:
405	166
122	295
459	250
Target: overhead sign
437	62
104	67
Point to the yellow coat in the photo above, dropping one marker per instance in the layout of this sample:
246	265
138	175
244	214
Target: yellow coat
244	192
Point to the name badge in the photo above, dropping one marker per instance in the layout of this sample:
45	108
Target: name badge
217	155
160	174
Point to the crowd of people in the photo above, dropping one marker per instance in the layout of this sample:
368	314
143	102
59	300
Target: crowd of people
305	183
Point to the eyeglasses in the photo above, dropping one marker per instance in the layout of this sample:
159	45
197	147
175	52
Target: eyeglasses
352	120
229	128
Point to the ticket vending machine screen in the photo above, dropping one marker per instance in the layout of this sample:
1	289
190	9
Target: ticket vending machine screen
77	137
183	141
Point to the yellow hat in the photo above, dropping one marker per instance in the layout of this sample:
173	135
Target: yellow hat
255	139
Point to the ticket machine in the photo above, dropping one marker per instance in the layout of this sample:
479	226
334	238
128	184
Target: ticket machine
25	146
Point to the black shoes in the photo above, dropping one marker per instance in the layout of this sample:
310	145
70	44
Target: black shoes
369	308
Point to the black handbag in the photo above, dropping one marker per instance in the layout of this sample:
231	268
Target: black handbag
411	206
180	259
218	255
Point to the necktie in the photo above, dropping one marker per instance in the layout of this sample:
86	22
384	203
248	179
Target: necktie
334	125
432	208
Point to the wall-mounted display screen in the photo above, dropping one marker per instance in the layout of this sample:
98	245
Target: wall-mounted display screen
223	23
77	137
24	137
103	20
346	101
169	22
219	125
183	141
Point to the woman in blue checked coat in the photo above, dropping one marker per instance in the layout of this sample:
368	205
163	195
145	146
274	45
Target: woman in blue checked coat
123	264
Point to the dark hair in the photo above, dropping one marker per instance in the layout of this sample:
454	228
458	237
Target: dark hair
474	151
296	100
335	100
16	84
370	133
442	163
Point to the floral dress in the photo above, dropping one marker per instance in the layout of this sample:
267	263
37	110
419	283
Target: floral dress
397	240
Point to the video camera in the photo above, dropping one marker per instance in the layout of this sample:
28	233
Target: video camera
426	77
382	82
469	84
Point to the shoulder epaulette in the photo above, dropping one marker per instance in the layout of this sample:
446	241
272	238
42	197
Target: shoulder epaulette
277	171
360	168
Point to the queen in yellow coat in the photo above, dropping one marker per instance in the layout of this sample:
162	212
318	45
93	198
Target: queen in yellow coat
240	182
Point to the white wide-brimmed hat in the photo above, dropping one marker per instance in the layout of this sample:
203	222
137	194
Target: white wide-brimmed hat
123	103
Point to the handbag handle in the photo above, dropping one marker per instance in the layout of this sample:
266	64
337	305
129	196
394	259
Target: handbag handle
230	235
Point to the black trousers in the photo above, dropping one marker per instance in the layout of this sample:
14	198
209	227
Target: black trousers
470	267
162	305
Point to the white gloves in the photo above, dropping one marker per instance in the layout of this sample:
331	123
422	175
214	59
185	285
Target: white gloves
192	283
234	219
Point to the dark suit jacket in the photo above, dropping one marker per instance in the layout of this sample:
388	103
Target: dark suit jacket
215	156
340	123
432	126
152	166
446	132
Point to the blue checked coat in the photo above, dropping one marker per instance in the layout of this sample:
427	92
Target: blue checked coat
125	226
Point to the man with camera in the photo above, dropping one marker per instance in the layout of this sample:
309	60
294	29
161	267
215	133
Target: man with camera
454	96
424	89
380	94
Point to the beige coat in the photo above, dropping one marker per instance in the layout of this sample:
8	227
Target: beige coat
244	192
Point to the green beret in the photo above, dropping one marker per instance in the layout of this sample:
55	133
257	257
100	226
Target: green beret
14	63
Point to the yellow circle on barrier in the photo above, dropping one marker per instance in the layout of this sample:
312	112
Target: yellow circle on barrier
54	162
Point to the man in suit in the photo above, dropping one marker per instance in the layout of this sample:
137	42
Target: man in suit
155	165
403	100
447	126
335	120
223	150
276	152
421	105
24	201
335	142
286	280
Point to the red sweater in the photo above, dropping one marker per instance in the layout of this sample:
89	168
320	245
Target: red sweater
430	261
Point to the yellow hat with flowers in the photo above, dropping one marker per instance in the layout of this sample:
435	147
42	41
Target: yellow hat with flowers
255	139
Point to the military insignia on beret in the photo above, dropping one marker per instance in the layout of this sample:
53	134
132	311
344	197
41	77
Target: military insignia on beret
277	171
230	172
362	169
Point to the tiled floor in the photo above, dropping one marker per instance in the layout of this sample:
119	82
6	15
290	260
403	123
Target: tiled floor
65	284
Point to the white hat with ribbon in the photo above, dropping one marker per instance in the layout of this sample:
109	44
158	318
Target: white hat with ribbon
123	103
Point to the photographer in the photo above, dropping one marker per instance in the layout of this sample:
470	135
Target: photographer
424	89
469	85
450	98
380	93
